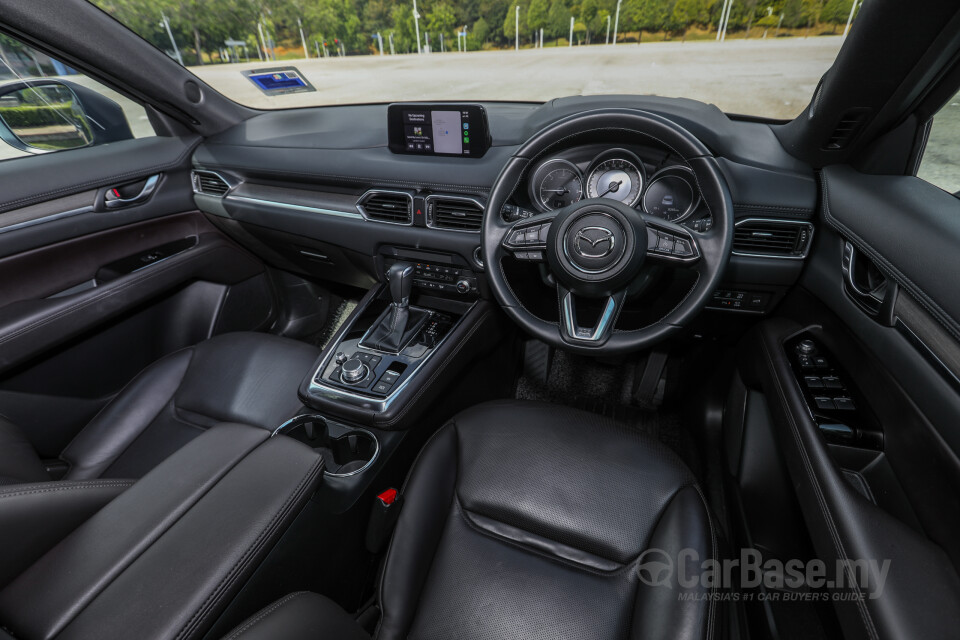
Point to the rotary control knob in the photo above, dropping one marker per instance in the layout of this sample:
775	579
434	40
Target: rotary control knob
463	286
806	347
341	357
353	371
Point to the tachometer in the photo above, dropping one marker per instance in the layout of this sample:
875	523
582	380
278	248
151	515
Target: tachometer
556	184
616	174
671	194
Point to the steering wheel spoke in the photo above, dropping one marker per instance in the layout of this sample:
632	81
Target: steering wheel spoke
570	329
526	240
670	244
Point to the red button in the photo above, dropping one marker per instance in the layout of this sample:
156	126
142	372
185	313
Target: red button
388	497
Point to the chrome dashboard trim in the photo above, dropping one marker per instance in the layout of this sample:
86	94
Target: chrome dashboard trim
231	184
444	196
799	223
50	218
295	207
397	192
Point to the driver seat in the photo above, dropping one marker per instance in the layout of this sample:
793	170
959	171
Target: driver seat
535	521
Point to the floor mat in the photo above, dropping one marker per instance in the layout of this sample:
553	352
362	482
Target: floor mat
606	389
335	321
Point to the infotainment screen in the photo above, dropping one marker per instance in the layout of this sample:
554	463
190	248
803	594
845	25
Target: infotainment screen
438	129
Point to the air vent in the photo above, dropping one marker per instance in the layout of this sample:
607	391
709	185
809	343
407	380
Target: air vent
772	238
459	214
387	206
210	183
849	126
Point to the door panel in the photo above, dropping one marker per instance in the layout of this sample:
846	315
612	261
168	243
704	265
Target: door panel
91	293
883	481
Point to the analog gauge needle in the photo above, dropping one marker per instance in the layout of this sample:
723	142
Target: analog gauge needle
613	187
558	191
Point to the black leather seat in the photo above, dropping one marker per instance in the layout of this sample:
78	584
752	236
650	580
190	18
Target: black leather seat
248	378
525	520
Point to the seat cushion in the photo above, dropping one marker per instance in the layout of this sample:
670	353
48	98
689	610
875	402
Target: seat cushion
19	461
299	616
247	378
531	520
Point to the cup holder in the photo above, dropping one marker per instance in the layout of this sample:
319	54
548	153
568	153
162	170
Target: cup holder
346	451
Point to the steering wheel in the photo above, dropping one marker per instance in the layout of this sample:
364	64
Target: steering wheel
595	248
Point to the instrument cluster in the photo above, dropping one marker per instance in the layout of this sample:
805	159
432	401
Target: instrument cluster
664	187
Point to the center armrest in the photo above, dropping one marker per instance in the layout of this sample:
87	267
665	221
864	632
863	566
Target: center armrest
165	557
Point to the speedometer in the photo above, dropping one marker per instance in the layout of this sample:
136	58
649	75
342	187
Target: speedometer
556	184
616	174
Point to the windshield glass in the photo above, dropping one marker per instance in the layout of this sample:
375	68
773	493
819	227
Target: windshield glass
748	57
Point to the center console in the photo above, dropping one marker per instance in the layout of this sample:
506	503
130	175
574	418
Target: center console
385	361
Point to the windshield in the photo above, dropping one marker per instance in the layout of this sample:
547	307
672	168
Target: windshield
745	56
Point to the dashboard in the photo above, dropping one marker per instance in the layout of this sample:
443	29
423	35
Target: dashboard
318	191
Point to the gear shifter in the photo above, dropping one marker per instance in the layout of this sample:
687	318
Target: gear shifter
401	283
400	322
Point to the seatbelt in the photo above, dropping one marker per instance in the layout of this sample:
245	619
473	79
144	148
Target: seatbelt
649	391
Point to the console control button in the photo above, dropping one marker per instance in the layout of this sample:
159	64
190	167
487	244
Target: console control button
390	377
382	387
813	382
341	357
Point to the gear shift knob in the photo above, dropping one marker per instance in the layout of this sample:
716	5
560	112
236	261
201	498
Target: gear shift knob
401	283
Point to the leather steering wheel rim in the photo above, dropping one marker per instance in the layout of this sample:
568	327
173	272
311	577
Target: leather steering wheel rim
714	245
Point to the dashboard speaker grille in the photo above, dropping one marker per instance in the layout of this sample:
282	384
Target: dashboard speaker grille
387	206
456	213
210	183
772	238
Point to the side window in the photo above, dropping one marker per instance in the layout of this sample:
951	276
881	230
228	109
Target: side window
940	164
46	106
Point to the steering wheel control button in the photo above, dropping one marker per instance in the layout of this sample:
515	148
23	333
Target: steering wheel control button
665	243
353	371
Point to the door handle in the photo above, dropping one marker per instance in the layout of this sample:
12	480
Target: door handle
115	198
867	286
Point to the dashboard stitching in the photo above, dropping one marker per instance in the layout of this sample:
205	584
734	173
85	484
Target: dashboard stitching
926	301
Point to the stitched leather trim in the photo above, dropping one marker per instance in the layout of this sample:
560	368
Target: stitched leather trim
210	604
113	179
264	613
926	301
535	544
56	486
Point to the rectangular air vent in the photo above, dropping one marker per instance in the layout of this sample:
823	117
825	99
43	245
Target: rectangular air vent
847	129
387	206
459	214
210	183
772	238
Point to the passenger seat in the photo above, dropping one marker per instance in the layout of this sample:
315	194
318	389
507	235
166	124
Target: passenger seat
247	378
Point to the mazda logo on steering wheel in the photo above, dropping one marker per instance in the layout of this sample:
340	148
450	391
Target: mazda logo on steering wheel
594	242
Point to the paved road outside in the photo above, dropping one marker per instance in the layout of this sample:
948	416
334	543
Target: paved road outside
771	77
